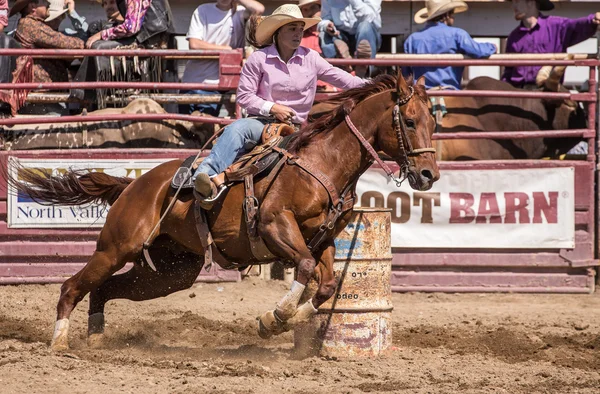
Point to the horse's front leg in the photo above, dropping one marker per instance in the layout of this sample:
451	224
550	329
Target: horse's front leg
327	286
284	239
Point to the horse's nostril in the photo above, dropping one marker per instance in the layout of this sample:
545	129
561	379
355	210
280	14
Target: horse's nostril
426	174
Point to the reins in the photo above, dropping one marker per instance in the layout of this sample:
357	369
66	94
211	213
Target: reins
402	137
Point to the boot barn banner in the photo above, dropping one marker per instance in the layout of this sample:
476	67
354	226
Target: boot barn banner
523	208
520	208
24	213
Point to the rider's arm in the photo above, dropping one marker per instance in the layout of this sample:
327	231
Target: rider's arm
248	86
335	76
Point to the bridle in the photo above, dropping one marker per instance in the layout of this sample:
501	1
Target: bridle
404	144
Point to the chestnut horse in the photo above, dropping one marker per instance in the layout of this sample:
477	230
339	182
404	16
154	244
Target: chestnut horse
390	113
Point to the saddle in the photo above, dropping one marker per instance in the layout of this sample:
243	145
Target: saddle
261	160
254	162
265	160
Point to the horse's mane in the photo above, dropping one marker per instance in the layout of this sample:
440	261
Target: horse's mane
345	103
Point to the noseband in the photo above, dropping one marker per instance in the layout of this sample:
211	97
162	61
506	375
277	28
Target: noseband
404	144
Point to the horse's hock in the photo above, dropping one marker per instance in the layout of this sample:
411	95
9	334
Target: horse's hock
356	321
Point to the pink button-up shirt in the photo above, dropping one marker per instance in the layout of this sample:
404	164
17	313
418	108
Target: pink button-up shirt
267	80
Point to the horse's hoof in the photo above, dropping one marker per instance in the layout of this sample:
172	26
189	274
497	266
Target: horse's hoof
262	330
60	338
270	324
60	344
95	341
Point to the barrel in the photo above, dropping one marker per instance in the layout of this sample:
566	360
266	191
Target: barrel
356	321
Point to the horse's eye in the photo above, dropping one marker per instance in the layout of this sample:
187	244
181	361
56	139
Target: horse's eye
410	123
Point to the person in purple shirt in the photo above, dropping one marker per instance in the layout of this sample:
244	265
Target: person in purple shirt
539	33
277	85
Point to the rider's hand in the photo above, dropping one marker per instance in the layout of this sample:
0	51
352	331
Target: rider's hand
596	19
282	113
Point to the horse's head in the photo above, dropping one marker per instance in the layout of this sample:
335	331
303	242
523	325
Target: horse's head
404	133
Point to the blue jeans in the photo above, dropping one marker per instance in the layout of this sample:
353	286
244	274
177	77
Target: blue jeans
364	31
231	144
210	109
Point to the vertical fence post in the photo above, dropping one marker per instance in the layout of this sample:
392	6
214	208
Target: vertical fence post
593	148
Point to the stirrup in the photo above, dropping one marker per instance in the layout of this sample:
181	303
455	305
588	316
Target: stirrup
208	202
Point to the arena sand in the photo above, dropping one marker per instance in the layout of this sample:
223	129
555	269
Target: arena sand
203	340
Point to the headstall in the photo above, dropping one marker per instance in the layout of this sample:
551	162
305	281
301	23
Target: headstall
404	144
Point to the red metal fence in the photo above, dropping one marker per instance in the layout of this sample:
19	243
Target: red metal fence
47	255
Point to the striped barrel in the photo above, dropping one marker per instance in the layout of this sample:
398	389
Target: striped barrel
356	320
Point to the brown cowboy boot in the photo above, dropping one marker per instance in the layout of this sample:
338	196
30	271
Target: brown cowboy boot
343	52
205	189
363	51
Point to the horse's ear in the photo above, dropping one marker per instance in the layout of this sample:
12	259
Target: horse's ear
401	85
421	81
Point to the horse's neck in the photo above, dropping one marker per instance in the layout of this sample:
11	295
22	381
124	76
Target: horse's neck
339	154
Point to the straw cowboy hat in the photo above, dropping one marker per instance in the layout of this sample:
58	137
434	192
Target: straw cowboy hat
283	15
435	8
56	9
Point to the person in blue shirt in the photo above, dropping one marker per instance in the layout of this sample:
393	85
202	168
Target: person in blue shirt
439	37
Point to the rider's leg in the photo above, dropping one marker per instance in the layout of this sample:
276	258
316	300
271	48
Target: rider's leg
229	146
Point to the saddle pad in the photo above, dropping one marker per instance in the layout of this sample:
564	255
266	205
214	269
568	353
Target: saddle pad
183	176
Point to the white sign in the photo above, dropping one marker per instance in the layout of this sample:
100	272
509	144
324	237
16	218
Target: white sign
522	208
24	213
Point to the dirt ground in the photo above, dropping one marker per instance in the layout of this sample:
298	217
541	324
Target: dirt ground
203	340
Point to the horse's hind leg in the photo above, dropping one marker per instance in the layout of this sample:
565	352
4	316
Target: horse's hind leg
174	273
101	266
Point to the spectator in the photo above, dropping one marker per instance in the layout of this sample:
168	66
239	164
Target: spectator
113	17
310	39
147	23
33	32
350	25
3	15
439	37
538	33
56	14
311	9
215	26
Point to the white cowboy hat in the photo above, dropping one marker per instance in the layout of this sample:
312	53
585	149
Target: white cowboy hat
435	8
287	13
56	9
302	3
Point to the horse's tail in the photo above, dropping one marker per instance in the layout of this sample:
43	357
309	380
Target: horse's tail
71	188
